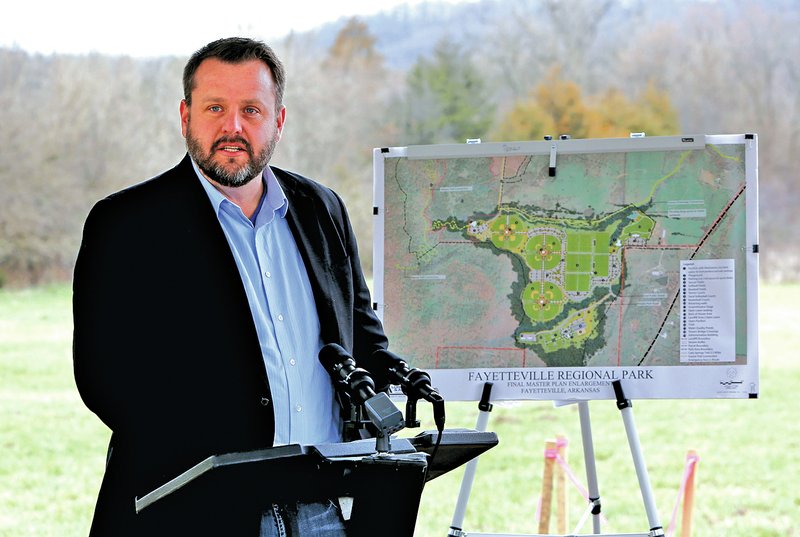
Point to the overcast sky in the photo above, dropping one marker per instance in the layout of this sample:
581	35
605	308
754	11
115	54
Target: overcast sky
162	27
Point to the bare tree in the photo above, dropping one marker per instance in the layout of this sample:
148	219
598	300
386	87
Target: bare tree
336	100
78	127
734	68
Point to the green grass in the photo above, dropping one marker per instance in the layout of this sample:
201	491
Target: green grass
53	449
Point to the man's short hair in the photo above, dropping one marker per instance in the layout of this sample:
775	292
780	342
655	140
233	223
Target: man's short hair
236	50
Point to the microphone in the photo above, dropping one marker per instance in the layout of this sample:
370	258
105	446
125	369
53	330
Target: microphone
344	371
357	383
415	383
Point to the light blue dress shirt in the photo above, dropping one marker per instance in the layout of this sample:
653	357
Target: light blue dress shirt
281	300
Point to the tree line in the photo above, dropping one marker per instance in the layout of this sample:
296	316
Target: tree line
78	127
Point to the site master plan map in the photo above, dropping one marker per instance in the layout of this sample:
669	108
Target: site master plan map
553	268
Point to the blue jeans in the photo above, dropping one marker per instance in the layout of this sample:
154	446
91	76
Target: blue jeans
300	519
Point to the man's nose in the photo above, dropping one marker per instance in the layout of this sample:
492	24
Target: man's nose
233	122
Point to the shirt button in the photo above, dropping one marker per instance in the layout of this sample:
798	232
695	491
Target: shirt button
292	361
298	408
268	274
264	401
280	317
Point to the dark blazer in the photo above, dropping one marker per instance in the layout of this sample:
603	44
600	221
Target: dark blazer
165	347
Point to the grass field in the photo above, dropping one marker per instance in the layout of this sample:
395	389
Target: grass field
53	449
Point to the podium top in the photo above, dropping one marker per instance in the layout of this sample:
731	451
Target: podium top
456	447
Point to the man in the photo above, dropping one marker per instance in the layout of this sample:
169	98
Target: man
201	300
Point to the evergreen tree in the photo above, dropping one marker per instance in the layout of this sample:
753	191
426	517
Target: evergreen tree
447	99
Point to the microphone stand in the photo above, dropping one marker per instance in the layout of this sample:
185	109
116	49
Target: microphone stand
358	389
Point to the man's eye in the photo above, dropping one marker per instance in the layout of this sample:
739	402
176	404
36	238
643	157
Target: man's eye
215	108
251	110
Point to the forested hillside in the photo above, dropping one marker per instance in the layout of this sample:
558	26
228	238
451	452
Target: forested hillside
78	127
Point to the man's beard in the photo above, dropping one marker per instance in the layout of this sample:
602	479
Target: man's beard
218	172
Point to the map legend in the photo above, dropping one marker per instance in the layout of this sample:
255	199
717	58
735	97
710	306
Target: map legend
707	305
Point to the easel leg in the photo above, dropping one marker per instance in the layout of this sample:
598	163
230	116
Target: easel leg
626	408
485	408
591	469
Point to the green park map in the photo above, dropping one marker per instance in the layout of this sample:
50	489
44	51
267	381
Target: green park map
505	261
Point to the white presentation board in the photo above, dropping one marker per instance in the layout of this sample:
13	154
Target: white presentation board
551	268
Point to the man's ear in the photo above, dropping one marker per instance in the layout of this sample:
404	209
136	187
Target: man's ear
184	110
280	121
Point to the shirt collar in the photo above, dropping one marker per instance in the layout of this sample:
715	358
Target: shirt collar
275	200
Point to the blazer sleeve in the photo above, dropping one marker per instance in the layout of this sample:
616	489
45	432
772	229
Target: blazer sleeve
103	271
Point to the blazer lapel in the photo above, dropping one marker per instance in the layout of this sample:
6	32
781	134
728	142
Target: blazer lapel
323	255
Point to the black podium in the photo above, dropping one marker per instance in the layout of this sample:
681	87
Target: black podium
383	489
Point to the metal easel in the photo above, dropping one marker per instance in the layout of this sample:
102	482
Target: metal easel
626	409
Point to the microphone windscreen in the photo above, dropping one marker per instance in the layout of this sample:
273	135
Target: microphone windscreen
332	355
379	363
384	359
